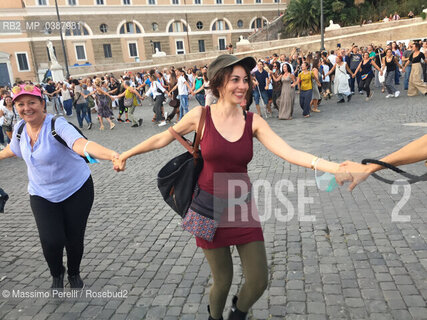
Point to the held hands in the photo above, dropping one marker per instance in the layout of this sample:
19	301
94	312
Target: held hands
358	172
119	163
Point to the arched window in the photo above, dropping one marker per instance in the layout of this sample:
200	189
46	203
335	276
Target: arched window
103	28
220	25
130	27
259	23
82	31
177	26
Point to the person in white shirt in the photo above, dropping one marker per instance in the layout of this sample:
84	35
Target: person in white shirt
184	89
157	90
332	57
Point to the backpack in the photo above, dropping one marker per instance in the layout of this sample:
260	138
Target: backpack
54	134
199	83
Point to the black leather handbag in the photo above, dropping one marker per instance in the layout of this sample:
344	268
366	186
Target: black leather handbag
178	178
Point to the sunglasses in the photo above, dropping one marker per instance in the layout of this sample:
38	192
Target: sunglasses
18	89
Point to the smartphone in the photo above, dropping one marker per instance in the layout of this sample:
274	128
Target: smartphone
338	45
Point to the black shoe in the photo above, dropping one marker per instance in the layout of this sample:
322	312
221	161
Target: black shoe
119	120
210	317
76	282
341	101
134	125
349	98
89	126
236	314
58	282
140	122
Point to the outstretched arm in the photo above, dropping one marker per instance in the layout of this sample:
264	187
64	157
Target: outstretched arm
6	153
187	124
410	153
279	147
94	149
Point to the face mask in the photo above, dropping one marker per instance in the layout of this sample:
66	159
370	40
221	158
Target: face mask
274	70
326	182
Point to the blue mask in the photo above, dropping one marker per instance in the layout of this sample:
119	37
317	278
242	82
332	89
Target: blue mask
326	182
91	160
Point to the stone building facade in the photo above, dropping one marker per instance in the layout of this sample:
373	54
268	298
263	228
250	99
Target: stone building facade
122	31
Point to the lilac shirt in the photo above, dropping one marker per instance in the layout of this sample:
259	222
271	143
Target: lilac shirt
55	172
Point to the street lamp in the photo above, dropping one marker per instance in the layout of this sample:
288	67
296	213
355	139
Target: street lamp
62	41
322	31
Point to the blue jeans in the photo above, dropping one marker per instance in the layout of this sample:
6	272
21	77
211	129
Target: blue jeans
396	76
264	95
82	113
183	105
200	97
304	101
68	106
407	74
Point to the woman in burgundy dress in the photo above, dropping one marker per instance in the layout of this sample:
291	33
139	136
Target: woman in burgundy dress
227	148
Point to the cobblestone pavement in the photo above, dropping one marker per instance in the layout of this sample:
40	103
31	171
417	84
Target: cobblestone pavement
352	262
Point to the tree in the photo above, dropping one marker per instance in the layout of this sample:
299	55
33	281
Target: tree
302	16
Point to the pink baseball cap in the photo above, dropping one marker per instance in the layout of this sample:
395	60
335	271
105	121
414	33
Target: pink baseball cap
29	89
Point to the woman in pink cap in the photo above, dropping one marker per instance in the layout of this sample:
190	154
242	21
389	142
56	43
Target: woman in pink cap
60	183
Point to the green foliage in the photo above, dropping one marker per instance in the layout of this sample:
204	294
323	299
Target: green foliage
303	16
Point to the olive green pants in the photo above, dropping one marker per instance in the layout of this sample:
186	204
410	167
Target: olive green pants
255	271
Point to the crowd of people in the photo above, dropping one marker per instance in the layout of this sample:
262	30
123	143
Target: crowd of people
277	81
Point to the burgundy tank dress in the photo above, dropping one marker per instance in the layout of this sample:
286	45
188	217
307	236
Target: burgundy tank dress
223	156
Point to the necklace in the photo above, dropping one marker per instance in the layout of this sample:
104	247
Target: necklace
34	137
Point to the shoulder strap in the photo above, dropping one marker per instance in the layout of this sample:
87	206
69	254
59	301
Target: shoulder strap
200	128
192	149
19	132
53	131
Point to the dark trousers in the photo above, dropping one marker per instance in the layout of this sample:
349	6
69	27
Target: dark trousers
365	85
304	101
200	97
353	80
397	76
157	109
82	113
62	225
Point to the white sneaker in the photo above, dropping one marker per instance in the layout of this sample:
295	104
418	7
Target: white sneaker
396	94
389	96
161	124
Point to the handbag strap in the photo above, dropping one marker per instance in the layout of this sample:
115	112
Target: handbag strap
192	149
411	178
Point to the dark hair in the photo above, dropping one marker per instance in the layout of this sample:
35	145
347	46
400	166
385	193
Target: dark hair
417	44
315	64
4	100
221	78
75	82
288	67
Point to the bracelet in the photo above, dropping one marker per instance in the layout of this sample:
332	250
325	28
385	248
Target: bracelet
84	150
313	162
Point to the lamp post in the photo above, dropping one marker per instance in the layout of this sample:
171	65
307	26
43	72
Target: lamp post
62	41
322	31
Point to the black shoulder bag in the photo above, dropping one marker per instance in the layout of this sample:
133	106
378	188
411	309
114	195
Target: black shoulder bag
177	179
